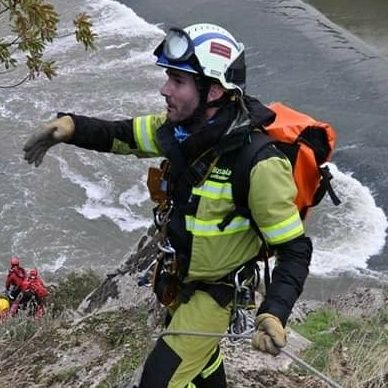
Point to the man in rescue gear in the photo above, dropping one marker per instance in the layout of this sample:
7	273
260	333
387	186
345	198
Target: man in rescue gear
32	297
207	120
15	278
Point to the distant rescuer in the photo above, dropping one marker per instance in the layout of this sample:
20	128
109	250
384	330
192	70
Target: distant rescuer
35	292
38	291
207	111
15	278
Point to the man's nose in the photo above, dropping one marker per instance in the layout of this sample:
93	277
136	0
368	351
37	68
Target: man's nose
165	90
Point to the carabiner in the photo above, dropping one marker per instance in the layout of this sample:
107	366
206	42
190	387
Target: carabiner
166	247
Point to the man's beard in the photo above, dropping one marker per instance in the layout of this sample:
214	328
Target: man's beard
196	121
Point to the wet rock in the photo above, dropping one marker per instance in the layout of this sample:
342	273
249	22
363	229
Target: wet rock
362	302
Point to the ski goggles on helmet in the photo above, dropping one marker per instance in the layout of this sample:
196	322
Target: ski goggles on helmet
178	46
177	50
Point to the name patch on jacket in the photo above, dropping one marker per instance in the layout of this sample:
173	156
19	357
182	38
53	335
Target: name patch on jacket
220	174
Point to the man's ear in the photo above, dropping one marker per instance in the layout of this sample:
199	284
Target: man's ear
215	92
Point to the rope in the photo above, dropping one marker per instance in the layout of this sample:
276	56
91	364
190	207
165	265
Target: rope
298	360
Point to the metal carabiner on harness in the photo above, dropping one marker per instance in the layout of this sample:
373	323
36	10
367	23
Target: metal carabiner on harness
245	289
169	257
166	260
166	247
242	322
166	279
162	214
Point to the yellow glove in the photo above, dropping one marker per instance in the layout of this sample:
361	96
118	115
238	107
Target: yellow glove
52	133
270	334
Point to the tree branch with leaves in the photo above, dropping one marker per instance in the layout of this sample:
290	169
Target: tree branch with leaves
32	26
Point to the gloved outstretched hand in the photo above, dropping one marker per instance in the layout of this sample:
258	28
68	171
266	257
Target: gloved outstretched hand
270	335
52	133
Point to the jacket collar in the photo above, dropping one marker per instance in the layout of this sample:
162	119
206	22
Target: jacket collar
246	112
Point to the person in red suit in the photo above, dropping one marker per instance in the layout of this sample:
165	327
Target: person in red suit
15	278
38	290
32	297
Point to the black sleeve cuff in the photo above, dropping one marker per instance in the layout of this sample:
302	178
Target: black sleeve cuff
288	278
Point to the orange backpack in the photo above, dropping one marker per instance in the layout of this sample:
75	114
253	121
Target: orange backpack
306	142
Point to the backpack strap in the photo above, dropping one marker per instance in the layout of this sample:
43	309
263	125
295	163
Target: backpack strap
324	187
244	162
200	168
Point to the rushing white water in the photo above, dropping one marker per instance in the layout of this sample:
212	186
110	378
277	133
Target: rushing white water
86	209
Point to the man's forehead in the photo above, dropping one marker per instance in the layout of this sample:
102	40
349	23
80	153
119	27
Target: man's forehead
178	73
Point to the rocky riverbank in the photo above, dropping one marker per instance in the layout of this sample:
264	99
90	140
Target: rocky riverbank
106	339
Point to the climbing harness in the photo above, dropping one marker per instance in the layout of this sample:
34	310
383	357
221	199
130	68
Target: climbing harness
165	280
162	274
162	214
168	260
295	358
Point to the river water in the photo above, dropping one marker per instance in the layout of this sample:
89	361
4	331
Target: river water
83	209
366	19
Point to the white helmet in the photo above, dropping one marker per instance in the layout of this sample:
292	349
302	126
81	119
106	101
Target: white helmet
205	49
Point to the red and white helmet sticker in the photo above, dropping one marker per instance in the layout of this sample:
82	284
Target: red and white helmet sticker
220	49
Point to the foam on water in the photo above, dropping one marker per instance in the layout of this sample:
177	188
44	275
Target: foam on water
136	195
57	264
101	201
345	237
118	77
116	18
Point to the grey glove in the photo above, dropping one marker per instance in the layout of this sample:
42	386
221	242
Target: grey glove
52	133
270	334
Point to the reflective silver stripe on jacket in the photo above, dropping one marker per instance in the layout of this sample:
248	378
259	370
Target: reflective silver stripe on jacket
214	190
210	228
283	231
144	136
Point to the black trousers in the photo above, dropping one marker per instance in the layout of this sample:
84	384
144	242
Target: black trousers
162	363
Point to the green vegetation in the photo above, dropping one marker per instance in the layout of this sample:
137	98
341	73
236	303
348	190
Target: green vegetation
20	330
65	377
324	329
126	366
72	290
125	330
32	26
353	351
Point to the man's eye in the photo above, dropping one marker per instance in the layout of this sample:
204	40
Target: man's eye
178	81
